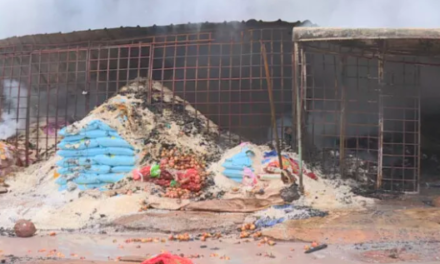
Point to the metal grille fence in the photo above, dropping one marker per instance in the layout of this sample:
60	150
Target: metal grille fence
361	115
220	73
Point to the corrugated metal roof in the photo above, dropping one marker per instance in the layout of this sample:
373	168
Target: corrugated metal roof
104	35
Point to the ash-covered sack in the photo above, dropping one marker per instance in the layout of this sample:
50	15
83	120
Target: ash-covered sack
97	169
74	162
92	152
73	130
80	145
99	157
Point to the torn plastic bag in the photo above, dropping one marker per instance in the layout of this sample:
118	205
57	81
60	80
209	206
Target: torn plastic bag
73	162
113	142
115	160
167	258
82	144
123	169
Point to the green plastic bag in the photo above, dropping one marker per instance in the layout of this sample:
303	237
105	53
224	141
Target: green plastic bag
155	171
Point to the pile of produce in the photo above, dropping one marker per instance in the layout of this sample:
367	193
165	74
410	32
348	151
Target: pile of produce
182	173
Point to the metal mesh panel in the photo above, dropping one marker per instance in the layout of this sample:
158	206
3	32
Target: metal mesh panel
361	116
220	73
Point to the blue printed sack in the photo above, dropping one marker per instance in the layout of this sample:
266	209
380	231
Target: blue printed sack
73	162
82	153
113	142
115	160
122	169
82	144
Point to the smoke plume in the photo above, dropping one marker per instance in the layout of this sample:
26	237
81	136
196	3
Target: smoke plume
47	16
13	114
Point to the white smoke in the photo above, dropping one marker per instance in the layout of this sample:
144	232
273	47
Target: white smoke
47	16
14	105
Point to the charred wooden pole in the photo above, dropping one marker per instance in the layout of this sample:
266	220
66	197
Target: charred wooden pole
381	86
272	106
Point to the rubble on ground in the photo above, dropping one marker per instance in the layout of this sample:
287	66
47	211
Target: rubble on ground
180	161
278	214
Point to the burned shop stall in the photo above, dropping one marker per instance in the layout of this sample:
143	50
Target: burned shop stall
48	81
361	93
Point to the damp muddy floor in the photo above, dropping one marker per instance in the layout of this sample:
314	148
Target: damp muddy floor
405	231
81	248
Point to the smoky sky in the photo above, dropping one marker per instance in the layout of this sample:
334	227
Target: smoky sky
22	17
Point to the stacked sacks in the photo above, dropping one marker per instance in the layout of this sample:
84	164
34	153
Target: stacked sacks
93	156
239	165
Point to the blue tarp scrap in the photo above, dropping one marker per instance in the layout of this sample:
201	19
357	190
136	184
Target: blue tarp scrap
268	222
291	212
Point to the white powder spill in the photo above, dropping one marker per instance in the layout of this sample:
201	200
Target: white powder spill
34	195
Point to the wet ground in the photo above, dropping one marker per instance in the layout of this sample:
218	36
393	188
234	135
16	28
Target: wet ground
86	248
402	230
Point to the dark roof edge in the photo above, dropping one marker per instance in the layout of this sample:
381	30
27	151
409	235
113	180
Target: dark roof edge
124	32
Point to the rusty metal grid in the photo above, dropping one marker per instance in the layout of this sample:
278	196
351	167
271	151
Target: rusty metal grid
361	116
220	73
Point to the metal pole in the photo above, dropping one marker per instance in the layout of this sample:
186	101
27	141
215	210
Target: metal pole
272	106
342	123
298	113
380	77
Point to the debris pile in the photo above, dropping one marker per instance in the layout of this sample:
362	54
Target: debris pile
10	157
152	123
177	160
263	162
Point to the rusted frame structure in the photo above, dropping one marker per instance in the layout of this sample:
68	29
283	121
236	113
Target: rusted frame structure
219	72
381	47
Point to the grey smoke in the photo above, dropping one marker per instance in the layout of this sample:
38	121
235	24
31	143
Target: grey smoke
47	16
45	105
13	114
